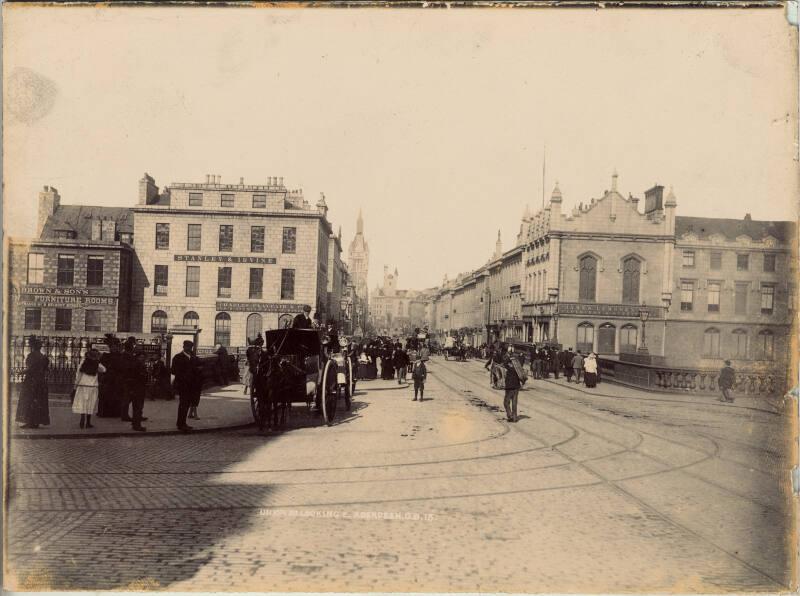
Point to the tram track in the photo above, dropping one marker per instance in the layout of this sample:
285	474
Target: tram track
614	484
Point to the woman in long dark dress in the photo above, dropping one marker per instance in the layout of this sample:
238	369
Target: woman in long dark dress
111	382
33	408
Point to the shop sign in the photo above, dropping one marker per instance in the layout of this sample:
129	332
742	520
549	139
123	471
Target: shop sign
273	307
607	310
226	259
54	296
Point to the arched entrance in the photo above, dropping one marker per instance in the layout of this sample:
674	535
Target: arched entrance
255	325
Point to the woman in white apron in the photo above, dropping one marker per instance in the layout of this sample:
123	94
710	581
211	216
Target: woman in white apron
86	390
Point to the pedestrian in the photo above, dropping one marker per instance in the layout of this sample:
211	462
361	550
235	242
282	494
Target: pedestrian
137	382
33	408
419	373
566	363
400	362
425	351
555	361
577	366
111	382
303	319
536	363
127	372
85	395
161	376
590	370
221	365
490	366
727	378
186	368
512	386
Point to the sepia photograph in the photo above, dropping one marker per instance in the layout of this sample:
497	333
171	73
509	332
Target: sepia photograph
433	299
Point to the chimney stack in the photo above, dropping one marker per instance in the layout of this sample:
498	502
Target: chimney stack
49	202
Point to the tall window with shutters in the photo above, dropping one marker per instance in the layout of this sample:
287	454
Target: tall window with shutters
587	282
631	269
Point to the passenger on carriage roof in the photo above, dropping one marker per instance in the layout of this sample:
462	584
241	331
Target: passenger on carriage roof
303	320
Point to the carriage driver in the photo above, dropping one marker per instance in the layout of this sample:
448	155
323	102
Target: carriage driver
303	320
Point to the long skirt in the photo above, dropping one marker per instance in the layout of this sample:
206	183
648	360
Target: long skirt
33	407
110	397
590	379
85	401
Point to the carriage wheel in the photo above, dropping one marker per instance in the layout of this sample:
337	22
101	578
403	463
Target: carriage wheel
350	387
330	392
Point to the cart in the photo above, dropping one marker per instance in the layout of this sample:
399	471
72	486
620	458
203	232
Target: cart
294	369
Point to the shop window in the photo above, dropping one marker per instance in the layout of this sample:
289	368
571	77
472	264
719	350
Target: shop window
158	322
63	319
222	329
585	339
255	325
93	321
33	318
191	319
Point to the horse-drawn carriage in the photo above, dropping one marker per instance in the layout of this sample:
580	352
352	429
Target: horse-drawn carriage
297	367
454	349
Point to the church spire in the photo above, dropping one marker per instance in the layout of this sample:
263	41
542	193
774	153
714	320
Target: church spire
498	247
360	223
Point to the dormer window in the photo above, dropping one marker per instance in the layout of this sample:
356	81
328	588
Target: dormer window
65	234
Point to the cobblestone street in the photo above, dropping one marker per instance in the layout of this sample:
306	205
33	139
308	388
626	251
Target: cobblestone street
602	490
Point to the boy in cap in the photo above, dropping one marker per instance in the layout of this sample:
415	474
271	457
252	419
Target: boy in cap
419	373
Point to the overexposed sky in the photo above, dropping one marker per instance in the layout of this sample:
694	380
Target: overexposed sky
431	121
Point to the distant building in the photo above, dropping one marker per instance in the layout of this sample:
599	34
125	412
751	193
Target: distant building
708	289
358	268
735	291
393	311
231	259
74	278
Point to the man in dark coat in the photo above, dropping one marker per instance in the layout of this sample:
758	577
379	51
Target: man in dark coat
127	373
727	378
33	408
513	384
303	319
186	368
137	385
400	362
566	363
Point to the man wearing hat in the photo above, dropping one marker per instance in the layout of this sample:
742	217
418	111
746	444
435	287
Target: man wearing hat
303	320
133	386
727	378
186	368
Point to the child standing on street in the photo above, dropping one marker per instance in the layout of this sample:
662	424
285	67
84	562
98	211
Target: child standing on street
419	373
85	394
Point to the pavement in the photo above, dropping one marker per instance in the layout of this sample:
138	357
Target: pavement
588	492
220	408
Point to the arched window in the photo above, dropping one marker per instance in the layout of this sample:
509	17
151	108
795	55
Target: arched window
628	338
606	339
158	322
585	340
222	329
191	319
285	321
588	278
711	343
255	325
631	268
766	344
739	343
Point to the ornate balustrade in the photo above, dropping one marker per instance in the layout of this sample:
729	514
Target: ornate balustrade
763	382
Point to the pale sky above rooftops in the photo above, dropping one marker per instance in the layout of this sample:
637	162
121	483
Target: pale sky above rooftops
432	122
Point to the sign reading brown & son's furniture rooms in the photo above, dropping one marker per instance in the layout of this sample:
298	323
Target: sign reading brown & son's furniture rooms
226	259
54	296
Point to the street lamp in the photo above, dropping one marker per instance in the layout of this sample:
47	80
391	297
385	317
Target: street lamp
644	314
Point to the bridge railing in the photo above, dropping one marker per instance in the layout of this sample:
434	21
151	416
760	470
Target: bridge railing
702	381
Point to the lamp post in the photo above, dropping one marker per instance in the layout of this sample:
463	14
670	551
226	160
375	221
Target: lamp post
644	314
